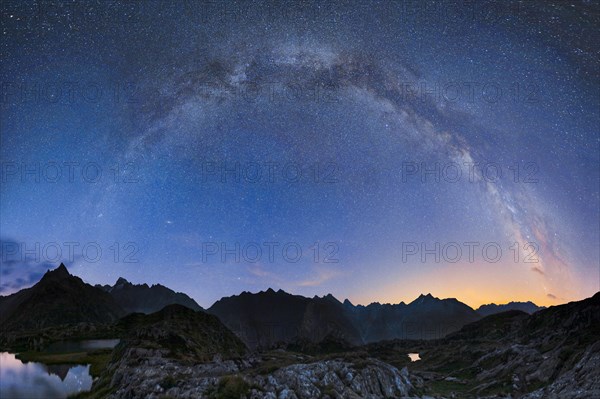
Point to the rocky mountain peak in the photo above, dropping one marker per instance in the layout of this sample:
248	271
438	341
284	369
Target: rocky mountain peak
330	297
425	299
60	273
121	281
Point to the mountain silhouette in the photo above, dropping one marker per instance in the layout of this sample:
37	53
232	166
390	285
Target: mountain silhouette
527	307
59	298
553	352
265	319
185	333
270	318
142	298
427	317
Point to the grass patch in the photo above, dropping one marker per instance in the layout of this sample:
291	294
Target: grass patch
100	392
449	366
446	388
503	387
98	359
231	387
466	373
168	382
275	360
330	391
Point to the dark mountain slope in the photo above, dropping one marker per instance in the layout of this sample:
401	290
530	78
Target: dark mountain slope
492	308
520	353
141	298
269	318
167	347
426	317
183	332
57	299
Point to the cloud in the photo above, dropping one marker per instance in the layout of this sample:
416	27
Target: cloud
551	296
318	276
19	271
259	271
18	283
538	270
322	276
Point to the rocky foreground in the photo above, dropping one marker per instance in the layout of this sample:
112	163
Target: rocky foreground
159	377
145	373
582	381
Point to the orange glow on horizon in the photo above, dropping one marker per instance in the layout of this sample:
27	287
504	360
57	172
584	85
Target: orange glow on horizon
486	283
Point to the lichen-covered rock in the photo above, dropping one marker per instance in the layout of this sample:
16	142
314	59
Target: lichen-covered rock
153	375
581	382
335	378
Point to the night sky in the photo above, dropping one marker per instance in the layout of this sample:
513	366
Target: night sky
203	145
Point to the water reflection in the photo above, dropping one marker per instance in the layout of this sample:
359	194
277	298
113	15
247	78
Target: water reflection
34	380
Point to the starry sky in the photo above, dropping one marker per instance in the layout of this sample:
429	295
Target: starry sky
372	150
